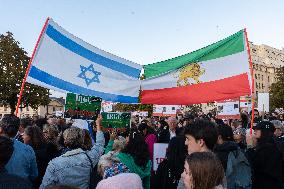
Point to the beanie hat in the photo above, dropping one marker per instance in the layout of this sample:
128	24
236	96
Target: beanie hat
121	181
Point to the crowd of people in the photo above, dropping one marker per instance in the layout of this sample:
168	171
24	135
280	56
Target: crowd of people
203	153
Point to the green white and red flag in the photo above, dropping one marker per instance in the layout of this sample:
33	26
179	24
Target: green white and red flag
216	72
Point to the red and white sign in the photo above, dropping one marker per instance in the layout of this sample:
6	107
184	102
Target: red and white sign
165	110
160	150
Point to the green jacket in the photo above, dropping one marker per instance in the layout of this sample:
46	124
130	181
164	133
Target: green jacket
144	174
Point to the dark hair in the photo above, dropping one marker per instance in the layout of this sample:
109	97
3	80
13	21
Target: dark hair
203	129
164	124
175	155
40	122
226	132
137	148
206	170
6	150
143	126
24	122
87	140
10	125
36	135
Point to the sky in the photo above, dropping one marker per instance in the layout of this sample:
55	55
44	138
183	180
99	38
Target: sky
146	31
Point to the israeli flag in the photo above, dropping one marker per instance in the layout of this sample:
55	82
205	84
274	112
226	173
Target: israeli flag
66	63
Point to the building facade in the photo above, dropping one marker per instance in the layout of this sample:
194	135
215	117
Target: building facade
265	61
55	106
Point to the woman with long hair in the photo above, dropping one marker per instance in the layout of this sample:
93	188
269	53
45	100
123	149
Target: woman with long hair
265	157
203	170
169	171
34	137
135	156
149	136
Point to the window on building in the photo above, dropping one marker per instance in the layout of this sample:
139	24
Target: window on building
262	86
53	108
268	78
5	108
27	108
262	77
255	76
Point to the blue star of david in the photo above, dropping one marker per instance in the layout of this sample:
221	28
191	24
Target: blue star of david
91	69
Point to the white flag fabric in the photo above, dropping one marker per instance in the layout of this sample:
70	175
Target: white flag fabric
66	63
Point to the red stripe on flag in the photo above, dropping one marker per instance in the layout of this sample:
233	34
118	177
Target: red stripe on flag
223	89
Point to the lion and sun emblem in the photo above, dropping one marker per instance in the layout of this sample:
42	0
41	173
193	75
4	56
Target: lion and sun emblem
190	74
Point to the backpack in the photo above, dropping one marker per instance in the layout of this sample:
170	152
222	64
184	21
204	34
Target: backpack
238	173
95	178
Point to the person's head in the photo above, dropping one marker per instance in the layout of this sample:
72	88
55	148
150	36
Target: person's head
119	144
162	124
264	131
256	113
176	153
9	126
73	138
122	181
201	135
142	128
24	123
40	122
50	132
87	140
239	134
173	123
202	170
6	150
278	128
225	133
34	137
137	148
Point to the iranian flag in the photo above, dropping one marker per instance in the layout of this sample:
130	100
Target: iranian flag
216	72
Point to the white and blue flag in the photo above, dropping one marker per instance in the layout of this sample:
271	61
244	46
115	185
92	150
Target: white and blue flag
66	63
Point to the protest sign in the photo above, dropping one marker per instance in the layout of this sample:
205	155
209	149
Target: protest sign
229	109
165	110
82	107
263	102
160	150
116	120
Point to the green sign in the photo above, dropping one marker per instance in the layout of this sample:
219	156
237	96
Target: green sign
82	107
116	120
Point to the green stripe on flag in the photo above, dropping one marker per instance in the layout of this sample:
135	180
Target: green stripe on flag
228	46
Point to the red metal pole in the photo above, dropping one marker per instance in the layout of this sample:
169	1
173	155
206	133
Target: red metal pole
29	66
252	79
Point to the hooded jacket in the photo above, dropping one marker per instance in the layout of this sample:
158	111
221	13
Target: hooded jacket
144	173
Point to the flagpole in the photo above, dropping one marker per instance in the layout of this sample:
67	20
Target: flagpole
29	66
252	79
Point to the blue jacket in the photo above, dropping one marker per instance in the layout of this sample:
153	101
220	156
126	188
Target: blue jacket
23	161
73	167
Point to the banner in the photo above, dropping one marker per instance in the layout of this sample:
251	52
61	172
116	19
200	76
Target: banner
116	120
165	110
160	150
82	107
229	109
64	62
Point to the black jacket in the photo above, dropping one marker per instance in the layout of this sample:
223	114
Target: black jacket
8	181
222	151
267	163
164	135
164	177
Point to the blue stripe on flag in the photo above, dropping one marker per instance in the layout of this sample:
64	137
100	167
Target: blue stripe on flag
90	55
67	86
